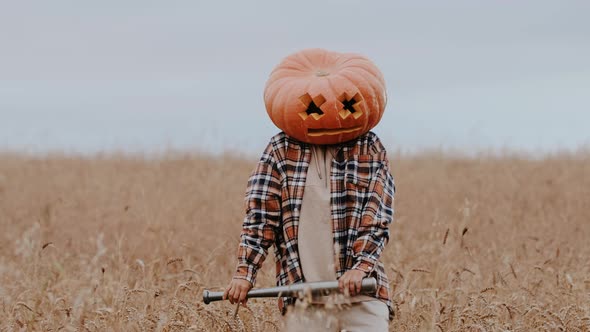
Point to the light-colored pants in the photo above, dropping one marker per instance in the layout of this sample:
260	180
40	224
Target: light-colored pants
360	316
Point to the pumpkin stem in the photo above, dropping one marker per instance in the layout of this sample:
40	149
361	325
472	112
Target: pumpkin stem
321	73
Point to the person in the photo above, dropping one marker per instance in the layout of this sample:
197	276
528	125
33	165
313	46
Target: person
322	193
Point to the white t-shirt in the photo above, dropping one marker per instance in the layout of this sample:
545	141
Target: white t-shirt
315	239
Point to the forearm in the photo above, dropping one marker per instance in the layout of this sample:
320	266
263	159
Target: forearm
367	250
252	251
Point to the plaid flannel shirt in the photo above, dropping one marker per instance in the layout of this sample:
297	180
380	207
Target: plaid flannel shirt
362	191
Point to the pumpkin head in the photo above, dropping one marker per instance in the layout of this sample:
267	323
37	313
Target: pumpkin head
323	97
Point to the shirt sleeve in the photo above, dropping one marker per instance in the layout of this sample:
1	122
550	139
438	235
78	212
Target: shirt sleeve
373	232
263	215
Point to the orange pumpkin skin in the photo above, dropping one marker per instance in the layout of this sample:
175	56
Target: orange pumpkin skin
323	97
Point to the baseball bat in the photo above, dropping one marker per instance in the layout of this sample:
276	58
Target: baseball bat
319	288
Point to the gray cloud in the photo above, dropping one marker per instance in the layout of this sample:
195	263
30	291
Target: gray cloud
143	74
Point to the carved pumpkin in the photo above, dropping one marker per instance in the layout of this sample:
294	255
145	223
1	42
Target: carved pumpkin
323	97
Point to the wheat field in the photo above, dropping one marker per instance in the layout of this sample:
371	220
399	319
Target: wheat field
116	242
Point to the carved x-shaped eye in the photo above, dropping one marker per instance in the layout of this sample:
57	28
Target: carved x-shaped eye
351	105
313	106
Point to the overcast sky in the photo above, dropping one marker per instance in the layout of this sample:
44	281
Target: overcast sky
146	75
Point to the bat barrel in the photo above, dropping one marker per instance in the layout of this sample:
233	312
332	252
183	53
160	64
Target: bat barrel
320	288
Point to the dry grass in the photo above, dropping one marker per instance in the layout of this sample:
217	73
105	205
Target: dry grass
128	243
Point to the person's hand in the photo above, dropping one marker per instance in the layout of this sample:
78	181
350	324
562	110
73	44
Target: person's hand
237	290
350	282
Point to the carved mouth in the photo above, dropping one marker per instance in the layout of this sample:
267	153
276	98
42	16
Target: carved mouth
327	132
